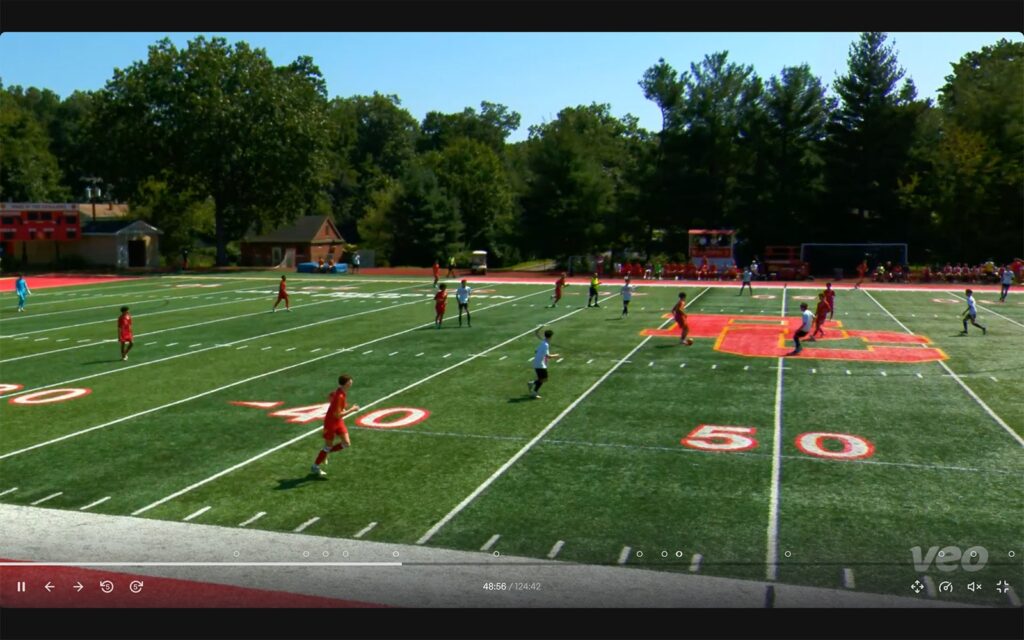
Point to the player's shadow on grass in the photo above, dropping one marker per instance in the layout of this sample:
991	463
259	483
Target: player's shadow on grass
521	399
84	364
284	484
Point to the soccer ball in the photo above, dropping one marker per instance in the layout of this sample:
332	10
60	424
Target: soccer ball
689	342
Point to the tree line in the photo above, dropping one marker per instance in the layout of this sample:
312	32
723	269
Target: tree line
210	141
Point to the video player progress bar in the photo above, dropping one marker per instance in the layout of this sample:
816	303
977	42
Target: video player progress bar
201	564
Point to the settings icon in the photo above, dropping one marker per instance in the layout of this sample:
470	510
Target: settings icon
917	587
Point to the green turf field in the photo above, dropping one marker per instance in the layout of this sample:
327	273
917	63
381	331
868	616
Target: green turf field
927	455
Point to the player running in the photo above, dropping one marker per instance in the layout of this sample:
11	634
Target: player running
804	329
124	332
830	298
440	304
557	295
451	267
437	273
627	295
21	288
862	270
282	294
1006	279
594	282
972	314
679	315
334	424
540	361
462	295
820	314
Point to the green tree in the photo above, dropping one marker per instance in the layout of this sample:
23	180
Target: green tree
786	186
28	171
579	169
983	101
182	217
371	140
869	146
222	122
473	174
425	219
491	126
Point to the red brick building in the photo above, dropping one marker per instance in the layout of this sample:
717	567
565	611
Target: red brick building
311	238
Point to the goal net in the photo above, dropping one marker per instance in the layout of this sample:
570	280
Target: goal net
288	261
841	259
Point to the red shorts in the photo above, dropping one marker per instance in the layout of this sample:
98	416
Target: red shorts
281	297
821	319
682	323
558	294
330	431
440	308
125	337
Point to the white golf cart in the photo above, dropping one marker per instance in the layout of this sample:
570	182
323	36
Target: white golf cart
478	263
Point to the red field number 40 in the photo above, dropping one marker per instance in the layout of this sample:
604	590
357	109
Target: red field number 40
710	437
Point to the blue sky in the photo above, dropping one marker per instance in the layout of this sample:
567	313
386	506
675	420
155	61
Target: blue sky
535	74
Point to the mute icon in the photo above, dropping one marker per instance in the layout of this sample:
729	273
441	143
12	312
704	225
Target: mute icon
974	586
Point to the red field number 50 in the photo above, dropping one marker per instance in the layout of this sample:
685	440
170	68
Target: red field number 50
710	437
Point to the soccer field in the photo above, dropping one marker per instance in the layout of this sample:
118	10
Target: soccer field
851	466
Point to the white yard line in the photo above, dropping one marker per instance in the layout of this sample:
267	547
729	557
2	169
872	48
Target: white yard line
222	387
990	310
1013	434
205	349
319	429
143	316
771	560
490	542
302	527
695	563
42	500
252	519
106	306
196	514
11	490
848	581
624	555
93	504
529	445
365	530
556	549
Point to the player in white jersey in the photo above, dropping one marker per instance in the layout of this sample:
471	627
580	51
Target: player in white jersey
807	317
972	314
748	275
462	295
1006	279
540	361
627	295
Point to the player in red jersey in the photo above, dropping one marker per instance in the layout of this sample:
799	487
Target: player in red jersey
282	294
830	298
124	332
820	315
862	269
557	295
440	303
437	273
334	424
679	314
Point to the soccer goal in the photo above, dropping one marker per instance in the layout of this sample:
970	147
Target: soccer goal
841	259
288	261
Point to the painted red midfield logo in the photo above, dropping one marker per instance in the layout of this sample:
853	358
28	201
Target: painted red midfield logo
765	337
